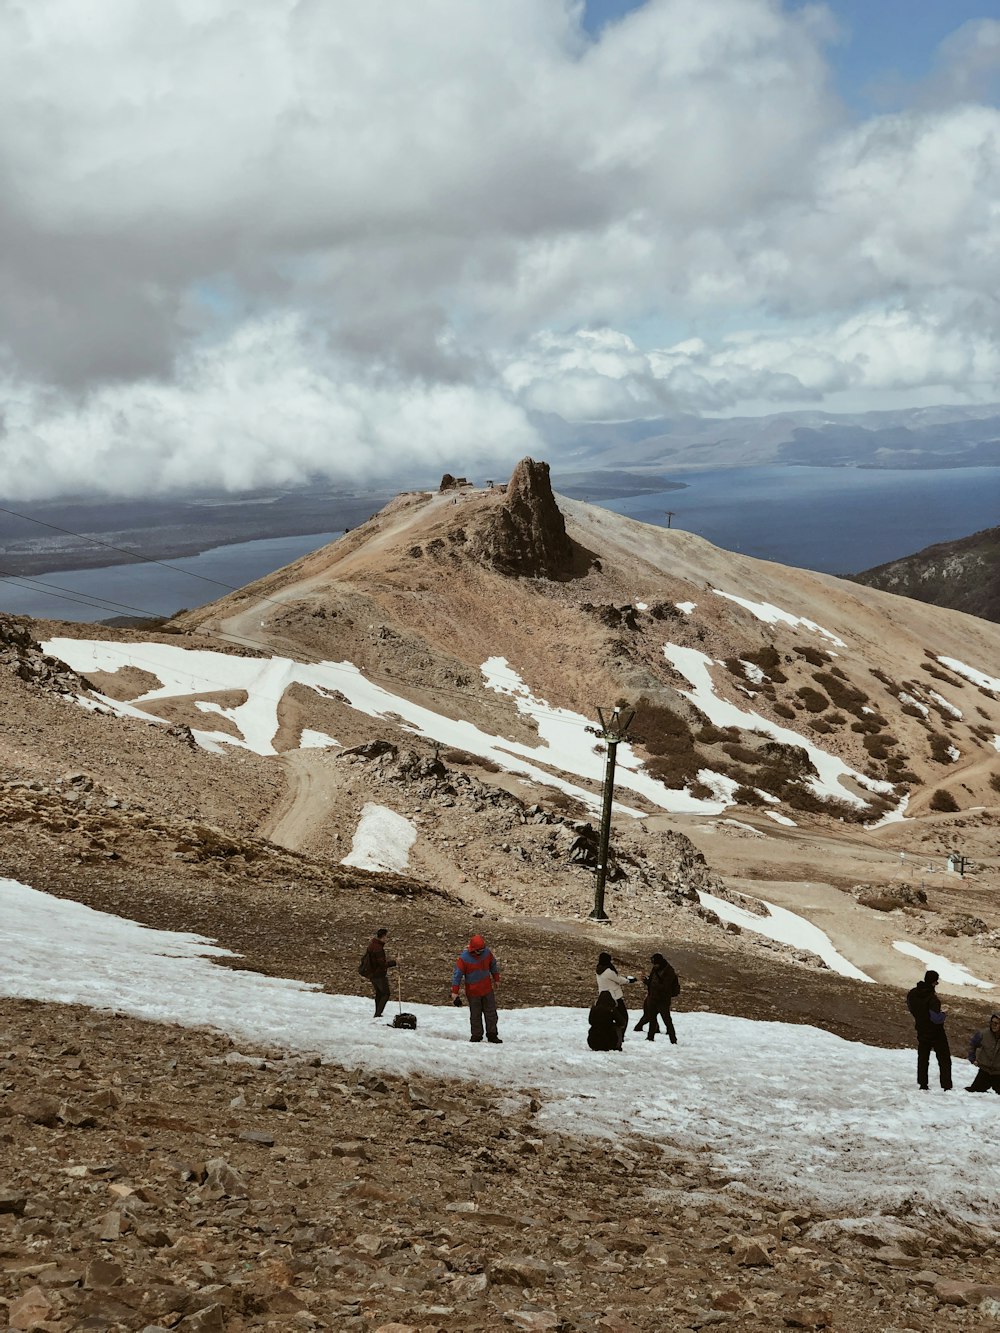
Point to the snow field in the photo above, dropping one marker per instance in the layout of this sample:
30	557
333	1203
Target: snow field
790	1110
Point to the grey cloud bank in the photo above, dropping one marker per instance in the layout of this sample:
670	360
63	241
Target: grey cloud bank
245	244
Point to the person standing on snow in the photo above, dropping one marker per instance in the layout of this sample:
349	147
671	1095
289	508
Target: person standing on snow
609	980
661	987
928	1016
378	969
478	969
984	1052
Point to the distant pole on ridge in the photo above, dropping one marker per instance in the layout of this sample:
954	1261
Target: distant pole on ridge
670	515
613	730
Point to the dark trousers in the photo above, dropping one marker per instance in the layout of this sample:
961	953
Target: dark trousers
380	985
936	1040
480	1007
650	1014
983	1082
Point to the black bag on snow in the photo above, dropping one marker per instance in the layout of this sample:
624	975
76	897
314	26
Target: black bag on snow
405	1021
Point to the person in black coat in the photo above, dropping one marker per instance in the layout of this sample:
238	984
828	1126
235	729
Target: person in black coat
662	985
928	1018
605	1033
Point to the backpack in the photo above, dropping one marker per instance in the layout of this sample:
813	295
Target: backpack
675	984
365	966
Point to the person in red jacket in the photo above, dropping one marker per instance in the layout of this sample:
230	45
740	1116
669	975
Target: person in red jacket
478	969
378	969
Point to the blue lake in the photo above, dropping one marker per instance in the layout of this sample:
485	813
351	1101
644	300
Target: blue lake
153	589
837	520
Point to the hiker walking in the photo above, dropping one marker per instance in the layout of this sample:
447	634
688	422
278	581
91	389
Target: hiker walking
984	1052
609	980
662	985
378	968
928	1017
478	969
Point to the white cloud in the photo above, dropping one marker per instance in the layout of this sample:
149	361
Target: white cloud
301	237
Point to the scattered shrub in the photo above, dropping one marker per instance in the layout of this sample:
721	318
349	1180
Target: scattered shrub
666	737
878	746
843	694
837	719
943	801
911	710
813	656
940	747
769	660
995	781
820	726
748	796
710	735
783	710
813	700
936	673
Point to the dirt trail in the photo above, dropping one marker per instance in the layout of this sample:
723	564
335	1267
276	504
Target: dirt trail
244	626
299	814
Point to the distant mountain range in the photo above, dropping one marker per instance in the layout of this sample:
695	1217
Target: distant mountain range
963	575
927	437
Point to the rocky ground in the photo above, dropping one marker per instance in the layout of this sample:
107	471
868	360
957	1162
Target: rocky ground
156	1178
190	1185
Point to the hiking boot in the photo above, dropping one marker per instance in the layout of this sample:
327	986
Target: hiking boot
651	1037
475	1038
638	1027
495	1041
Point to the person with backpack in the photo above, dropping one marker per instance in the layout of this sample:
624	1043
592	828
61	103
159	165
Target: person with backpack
662	985
478	969
984	1052
608	981
375	967
928	1017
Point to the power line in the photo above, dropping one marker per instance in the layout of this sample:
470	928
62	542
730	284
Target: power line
41	586
122	550
97	603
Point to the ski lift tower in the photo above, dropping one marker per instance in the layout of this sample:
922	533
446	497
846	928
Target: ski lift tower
613	730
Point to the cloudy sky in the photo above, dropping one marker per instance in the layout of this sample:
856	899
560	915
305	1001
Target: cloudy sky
247	241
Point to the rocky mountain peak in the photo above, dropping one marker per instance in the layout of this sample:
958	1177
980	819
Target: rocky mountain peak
525	535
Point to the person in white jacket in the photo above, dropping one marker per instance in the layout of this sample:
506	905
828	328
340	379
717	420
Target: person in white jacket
609	980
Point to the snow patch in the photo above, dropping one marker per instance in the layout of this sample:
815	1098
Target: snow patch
382	840
787	928
970	673
686	607
954	974
315	740
782	1107
780	818
773	615
948	707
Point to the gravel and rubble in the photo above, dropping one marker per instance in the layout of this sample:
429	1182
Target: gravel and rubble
194	1185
